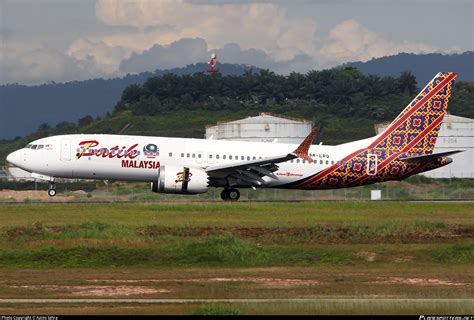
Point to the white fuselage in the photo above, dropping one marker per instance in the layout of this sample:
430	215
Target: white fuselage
120	157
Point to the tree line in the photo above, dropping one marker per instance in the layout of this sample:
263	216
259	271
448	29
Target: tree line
339	91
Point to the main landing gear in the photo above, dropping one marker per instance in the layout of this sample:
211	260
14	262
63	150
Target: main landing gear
52	189
230	195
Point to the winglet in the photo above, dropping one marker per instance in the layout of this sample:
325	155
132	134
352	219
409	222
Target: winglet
302	150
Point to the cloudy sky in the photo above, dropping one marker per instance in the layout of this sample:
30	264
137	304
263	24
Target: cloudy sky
56	40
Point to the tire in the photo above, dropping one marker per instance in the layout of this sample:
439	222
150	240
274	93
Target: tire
225	195
51	192
233	194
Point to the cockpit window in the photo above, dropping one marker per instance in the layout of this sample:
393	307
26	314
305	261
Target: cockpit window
34	146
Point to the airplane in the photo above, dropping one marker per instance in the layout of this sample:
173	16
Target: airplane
192	166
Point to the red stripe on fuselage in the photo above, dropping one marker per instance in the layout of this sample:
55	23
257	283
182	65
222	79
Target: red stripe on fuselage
328	170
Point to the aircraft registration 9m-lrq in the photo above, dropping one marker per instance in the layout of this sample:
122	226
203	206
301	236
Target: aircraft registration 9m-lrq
192	166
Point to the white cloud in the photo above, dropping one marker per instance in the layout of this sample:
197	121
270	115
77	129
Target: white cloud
34	63
258	25
98	56
173	33
350	41
177	54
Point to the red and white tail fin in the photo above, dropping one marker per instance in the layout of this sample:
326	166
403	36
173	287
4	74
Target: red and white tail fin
416	129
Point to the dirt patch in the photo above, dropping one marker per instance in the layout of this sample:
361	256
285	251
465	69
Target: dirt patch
36	229
26	195
98	291
402	259
316	234
422	282
267	282
367	256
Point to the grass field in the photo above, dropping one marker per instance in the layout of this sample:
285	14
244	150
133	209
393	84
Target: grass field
345	257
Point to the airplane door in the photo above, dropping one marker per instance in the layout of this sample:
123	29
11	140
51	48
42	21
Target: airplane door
371	164
210	157
65	150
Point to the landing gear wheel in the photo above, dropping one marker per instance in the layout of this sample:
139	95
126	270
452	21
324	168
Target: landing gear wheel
51	190
233	194
224	195
230	195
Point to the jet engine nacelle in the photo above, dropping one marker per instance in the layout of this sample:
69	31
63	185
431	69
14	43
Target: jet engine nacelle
183	180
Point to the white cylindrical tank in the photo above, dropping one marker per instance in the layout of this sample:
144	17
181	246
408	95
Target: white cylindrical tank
263	128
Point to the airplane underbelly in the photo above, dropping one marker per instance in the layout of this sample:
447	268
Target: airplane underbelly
117	169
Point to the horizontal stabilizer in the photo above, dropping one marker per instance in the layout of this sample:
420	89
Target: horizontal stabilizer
429	157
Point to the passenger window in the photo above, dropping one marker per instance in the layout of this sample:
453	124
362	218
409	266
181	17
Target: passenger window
332	162
194	155
223	157
320	161
327	161
217	156
182	155
297	160
199	155
254	158
170	154
242	158
187	155
248	158
210	156
230	157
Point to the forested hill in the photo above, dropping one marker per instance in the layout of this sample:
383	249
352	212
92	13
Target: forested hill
423	66
343	101
24	108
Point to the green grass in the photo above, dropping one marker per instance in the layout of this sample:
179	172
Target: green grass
242	234
216	310
458	253
237	214
327	250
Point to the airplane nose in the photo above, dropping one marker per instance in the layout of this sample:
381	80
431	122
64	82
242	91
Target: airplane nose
14	158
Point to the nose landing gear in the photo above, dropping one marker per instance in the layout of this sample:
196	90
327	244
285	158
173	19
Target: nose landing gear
230	195
52	189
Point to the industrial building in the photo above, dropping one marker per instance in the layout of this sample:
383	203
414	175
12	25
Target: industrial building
456	133
262	128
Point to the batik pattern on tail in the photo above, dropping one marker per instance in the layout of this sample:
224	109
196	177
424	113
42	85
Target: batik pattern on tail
413	132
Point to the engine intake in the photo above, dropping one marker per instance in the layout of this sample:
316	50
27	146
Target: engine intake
182	180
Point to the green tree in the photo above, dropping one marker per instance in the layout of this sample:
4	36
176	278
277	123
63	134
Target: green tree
407	83
84	121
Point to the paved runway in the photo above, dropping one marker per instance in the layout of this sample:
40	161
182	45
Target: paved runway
193	301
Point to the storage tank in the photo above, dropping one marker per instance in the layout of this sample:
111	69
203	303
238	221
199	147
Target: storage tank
262	128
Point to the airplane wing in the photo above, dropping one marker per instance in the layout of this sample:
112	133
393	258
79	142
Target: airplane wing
252	172
429	157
